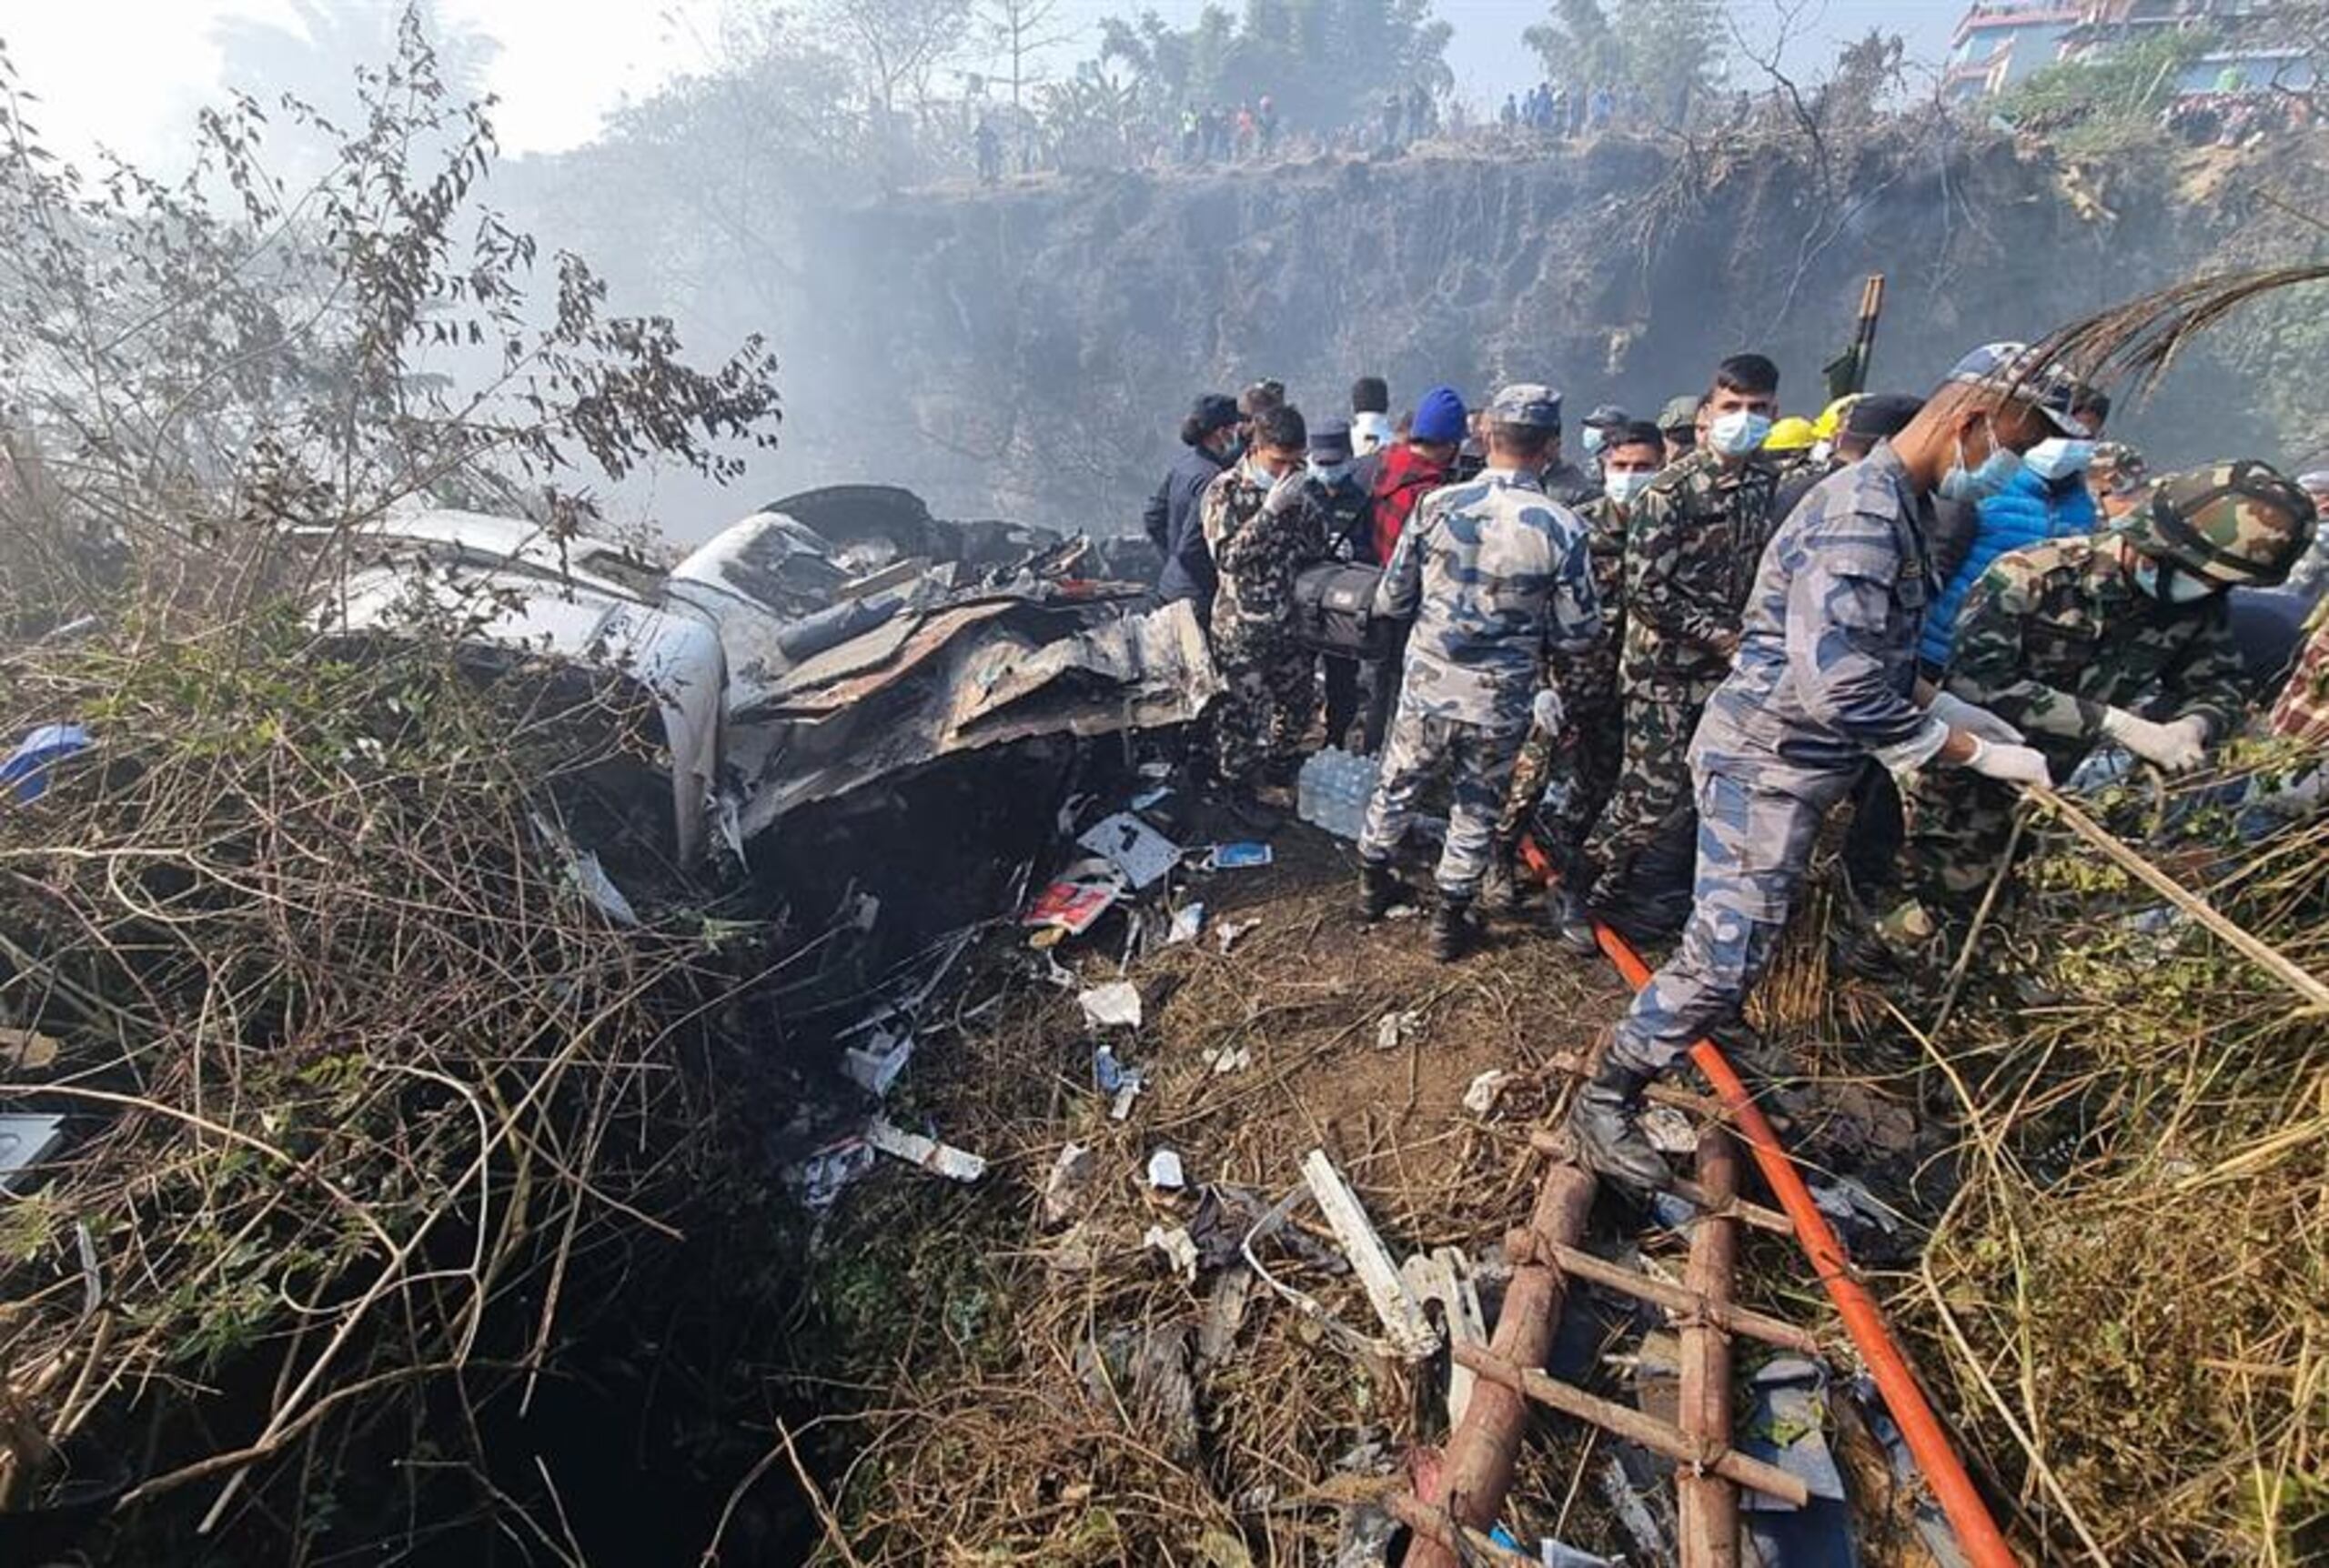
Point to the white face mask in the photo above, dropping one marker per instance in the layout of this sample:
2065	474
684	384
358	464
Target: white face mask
1593	438
2057	458
1738	432
2183	586
1329	474
1625	487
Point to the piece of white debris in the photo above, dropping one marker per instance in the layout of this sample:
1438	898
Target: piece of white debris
1164	1173
1187	921
1229	932
1065	1188
1113	1005
1397	1028
1481	1094
1128	1089
1224	1061
1177	1246
941	1158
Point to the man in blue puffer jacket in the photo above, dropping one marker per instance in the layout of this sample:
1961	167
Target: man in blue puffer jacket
2048	499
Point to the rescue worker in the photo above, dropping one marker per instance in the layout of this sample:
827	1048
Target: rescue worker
1790	441
1594	435
1494	574
1416	466
1825	680
990	151
2047	500
2120	637
1581	745
1568	483
1862	420
1263	526
1347	507
1370	416
1172	519
1678	423
2115	477
1692	546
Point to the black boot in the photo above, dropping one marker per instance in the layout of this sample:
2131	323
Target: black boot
1378	889
1607	1122
1572	919
1451	928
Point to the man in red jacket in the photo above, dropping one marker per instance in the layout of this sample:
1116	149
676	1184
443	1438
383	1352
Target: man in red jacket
1403	475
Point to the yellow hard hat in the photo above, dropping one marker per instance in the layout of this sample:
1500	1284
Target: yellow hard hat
1831	417
1793	434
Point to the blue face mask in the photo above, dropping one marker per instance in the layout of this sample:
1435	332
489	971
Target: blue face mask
1996	472
1624	488
1329	474
1594	441
2058	457
1738	433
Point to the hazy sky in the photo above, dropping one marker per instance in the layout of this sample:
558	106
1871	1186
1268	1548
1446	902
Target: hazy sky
130	72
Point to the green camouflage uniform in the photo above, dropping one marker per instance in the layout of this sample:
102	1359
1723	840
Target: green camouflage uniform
1585	753
2049	637
1269	679
1692	544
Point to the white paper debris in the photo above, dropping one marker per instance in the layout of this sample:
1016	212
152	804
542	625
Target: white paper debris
1397	1028
1177	1246
1164	1173
1187	921
1230	930
940	1158
1224	1060
1141	853
1480	1095
1127	1090
1116	1005
875	1066
1065	1188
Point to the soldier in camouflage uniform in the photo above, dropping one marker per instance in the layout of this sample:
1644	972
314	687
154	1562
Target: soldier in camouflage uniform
1691	548
1263	526
2066	639
1825	680
1583	752
1495	573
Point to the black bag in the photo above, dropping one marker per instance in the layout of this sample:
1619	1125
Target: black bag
1333	609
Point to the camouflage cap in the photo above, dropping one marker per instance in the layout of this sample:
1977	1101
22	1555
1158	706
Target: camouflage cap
2242	525
2123	460
1680	413
1530	404
1608	416
2016	371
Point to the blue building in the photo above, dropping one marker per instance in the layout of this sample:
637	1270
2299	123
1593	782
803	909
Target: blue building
1998	44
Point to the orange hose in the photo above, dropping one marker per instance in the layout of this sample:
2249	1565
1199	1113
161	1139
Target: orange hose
1968	1514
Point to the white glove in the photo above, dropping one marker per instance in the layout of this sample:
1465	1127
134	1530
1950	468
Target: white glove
1547	712
1976	720
1285	495
2178	747
2009	764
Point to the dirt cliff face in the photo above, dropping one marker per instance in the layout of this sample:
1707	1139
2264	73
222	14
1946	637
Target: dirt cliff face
1027	352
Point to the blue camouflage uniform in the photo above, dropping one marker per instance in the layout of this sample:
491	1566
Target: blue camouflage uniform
1824	678
1495	574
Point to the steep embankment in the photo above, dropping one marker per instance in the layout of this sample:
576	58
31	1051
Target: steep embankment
1027	351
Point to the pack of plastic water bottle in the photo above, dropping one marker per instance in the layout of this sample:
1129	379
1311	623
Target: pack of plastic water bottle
1333	790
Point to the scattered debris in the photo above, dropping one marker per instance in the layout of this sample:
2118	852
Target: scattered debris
875	1065
1069	1185
1667	1130
1231	930
27	768
25	1139
914	1148
1164	1173
1187	921
1224	1315
1482	1093
822	1175
1177	1246
1139	851
1395	1028
1116	1005
1411	1333
1129	1085
1239	857
1445	1276
1077	898
1224	1059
